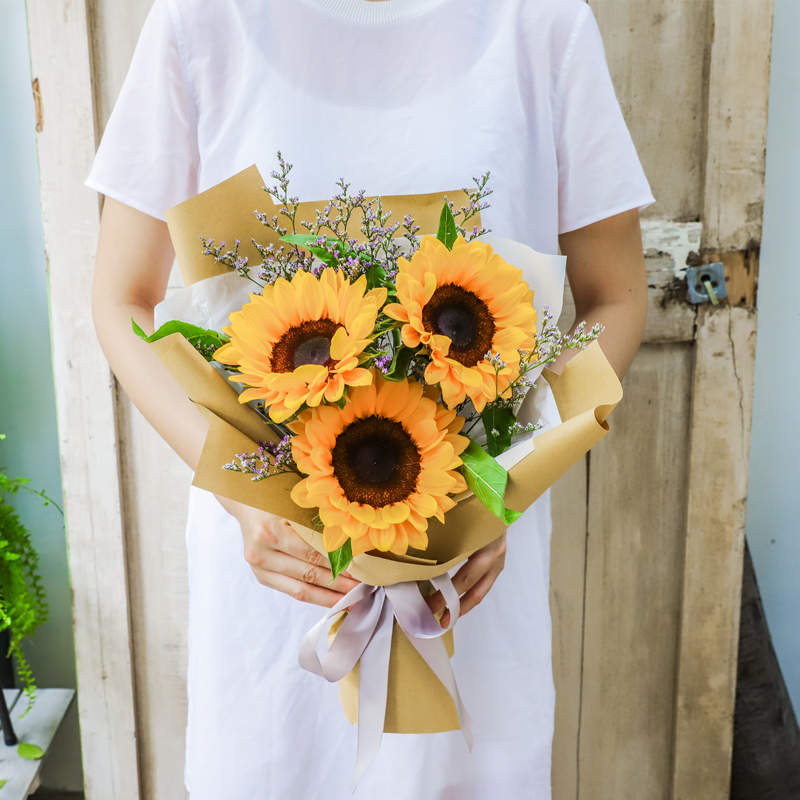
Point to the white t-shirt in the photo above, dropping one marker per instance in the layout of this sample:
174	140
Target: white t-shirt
397	97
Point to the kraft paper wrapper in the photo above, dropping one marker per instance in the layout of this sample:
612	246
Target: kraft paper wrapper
225	213
416	701
586	392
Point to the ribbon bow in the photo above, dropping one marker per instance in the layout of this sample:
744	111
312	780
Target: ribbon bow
366	634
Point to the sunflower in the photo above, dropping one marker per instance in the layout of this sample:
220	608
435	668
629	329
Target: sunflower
379	468
460	304
301	341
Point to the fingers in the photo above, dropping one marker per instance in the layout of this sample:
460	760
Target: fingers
304	592
308	573
473	580
474	569
281	560
474	596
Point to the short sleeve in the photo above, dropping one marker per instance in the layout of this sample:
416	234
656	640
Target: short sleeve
148	156
599	171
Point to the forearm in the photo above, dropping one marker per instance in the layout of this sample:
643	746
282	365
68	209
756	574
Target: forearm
606	270
620	339
146	381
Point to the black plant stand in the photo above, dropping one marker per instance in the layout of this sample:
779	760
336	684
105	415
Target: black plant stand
6	682
5	719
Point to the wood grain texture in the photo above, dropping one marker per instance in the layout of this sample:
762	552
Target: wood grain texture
656	52
84	400
155	494
738	92
156	488
634	561
722	394
567	574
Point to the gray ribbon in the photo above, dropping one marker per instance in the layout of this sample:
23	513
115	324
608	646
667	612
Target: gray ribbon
366	635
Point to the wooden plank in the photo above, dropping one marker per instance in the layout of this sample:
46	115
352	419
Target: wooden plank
84	399
154	501
738	92
718	465
722	388
567	574
155	522
37	727
114	29
653	47
637	497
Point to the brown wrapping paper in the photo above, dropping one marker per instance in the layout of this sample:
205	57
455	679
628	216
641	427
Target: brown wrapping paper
586	392
225	213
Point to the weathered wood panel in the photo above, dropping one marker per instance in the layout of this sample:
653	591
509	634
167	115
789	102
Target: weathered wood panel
567	578
155	494
738	93
84	400
656	52
722	395
634	560
156	485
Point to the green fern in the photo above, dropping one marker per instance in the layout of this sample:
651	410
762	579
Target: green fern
23	603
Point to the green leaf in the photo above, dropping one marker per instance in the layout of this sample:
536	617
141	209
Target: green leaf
501	420
376	275
447	233
488	480
30	751
204	340
3	782
399	368
304	240
341	558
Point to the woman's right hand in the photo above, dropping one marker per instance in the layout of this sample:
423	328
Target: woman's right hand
281	559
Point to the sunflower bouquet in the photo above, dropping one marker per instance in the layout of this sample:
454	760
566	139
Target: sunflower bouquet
375	358
377	372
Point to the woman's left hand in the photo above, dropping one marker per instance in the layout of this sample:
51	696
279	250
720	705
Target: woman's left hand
474	579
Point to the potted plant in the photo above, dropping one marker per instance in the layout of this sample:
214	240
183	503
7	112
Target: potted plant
23	605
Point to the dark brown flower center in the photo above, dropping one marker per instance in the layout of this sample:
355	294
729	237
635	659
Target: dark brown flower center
376	461
464	318
306	343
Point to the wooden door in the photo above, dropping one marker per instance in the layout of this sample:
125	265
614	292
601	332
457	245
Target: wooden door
648	532
648	529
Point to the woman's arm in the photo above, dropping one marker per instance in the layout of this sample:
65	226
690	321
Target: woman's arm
134	258
605	265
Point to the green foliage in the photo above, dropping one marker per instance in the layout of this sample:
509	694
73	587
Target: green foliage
30	751
488	480
498	422
448	231
398	371
23	604
340	559
206	342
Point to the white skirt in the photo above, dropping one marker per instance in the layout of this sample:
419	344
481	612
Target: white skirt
262	728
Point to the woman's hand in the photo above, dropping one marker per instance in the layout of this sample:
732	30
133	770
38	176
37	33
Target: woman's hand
281	560
474	579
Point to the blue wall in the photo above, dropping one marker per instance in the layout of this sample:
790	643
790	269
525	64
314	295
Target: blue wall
27	403
773	508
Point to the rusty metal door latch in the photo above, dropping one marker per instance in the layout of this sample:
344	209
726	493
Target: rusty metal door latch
706	283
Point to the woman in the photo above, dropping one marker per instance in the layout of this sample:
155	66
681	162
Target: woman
399	97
